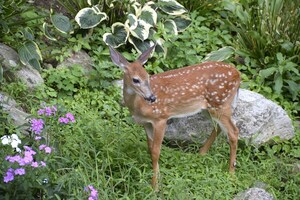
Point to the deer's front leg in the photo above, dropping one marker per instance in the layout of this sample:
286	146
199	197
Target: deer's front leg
159	128
149	132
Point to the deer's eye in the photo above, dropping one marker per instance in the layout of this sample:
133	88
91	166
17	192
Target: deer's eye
136	81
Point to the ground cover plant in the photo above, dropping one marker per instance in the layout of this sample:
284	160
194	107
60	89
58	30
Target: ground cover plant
93	150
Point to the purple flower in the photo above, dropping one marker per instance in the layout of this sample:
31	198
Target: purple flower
37	125
9	175
54	109
42	146
43	163
48	150
41	111
48	111
20	171
71	117
37	138
28	150
63	120
93	194
13	159
34	164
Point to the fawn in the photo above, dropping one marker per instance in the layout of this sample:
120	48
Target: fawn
152	100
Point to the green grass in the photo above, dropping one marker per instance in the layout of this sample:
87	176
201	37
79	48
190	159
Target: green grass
106	149
113	156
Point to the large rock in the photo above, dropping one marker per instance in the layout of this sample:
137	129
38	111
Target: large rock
15	70
254	194
80	58
18	116
258	119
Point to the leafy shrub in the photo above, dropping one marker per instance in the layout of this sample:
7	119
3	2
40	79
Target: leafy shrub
66	81
194	44
148	23
13	15
268	32
266	27
201	6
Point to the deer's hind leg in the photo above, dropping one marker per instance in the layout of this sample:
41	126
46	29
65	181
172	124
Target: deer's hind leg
223	117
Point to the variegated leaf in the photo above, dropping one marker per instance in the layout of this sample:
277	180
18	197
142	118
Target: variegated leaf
30	54
118	36
141	31
171	27
148	15
182	22
139	45
47	33
171	7
61	23
90	17
131	22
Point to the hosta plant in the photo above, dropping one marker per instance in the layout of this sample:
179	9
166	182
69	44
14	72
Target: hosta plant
150	23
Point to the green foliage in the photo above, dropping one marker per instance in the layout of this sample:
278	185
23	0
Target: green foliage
66	81
14	15
266	27
143	26
201	6
268	32
201	38
10	15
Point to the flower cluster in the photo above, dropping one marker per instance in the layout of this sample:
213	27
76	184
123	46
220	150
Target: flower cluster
26	159
10	174
68	118
13	140
93	194
47	111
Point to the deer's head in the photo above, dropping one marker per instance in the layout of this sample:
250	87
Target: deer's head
136	78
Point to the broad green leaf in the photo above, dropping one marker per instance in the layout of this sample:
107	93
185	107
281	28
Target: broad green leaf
28	52
265	73
118	36
28	34
279	57
139	45
148	15
159	46
141	31
294	88
242	14
46	32
61	23
171	7
171	27
131	22
290	66
278	83
151	4
220	55
182	22
90	17
35	64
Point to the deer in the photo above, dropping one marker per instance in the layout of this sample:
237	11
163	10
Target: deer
153	100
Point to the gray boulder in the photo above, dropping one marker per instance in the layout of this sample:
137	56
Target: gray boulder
258	119
254	194
15	70
18	116
79	58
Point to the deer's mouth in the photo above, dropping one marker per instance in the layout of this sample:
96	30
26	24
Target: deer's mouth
151	98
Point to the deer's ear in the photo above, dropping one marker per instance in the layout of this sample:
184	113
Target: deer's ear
117	58
145	55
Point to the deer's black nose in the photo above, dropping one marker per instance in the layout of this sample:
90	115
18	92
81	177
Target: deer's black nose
152	98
